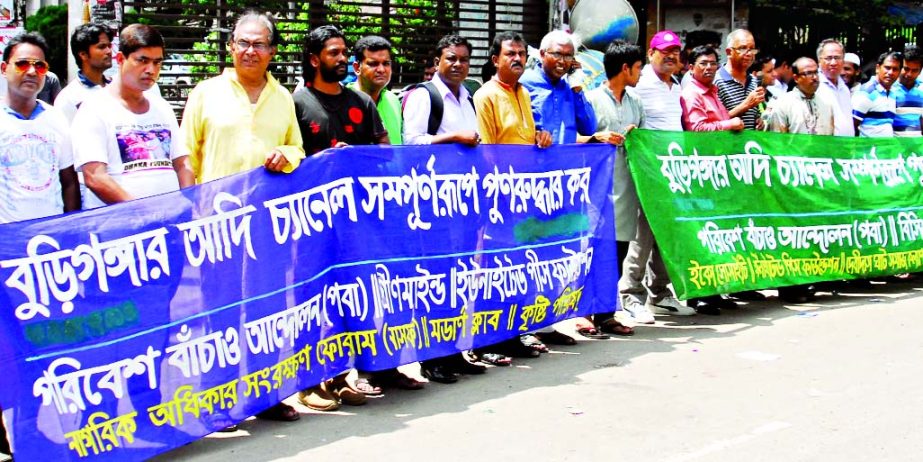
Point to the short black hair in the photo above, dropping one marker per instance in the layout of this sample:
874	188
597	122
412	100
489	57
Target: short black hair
85	36
32	38
450	40
370	43
912	53
620	52
503	37
136	36
701	50
891	55
314	43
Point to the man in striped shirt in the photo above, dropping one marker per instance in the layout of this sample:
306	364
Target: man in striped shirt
908	95
874	104
740	93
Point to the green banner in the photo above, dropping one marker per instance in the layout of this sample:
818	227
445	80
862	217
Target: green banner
753	210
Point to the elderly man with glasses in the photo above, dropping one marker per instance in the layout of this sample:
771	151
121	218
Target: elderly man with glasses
738	90
830	56
556	107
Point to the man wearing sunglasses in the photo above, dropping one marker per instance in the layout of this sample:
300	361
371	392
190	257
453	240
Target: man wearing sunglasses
38	178
125	143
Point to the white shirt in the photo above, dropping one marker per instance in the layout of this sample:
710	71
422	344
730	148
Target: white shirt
138	149
842	117
662	108
457	113
73	95
32	154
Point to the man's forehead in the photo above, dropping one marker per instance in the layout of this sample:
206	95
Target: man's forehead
376	55
252	29
335	42
456	49
512	45
832	49
149	52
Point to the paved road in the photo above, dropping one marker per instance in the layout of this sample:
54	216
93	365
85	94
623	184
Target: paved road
835	380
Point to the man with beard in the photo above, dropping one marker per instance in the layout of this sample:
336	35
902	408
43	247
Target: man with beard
556	107
329	114
908	95
852	71
504	109
660	94
830	56
244	119
740	93
874	104
91	45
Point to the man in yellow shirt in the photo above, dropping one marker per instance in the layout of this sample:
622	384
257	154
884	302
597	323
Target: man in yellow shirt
243	119
503	106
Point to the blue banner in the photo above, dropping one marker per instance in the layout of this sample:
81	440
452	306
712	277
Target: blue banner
128	329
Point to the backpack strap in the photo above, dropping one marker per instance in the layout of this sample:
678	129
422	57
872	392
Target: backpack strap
435	108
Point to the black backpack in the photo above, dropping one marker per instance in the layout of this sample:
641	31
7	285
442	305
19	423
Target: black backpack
435	104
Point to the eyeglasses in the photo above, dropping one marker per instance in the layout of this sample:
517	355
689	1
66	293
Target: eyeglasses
832	59
747	51
23	65
258	47
556	55
808	74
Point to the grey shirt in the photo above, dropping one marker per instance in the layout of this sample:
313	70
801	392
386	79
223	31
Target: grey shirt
616	116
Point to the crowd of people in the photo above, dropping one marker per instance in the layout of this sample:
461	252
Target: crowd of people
107	141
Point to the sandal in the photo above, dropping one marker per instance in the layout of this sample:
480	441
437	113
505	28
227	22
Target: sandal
533	342
281	413
616	328
341	390
496	359
591	332
366	388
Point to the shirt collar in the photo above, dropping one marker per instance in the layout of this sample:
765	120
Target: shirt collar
89	83
444	89
504	86
35	112
700	88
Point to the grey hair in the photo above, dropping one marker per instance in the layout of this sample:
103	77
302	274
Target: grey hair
735	34
825	42
557	37
262	19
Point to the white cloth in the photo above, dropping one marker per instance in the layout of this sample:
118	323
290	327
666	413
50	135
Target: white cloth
73	95
457	113
32	154
138	149
662	108
842	118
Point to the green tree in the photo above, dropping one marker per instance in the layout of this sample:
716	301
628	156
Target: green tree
51	22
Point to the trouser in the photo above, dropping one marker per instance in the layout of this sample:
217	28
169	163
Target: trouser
621	248
643	259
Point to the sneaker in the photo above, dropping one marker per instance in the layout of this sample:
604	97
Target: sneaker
639	312
670	306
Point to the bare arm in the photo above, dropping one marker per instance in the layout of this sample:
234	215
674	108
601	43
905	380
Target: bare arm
99	181
183	168
70	189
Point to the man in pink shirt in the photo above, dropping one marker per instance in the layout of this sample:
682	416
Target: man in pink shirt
702	110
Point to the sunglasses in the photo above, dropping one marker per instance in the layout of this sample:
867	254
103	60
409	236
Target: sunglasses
23	65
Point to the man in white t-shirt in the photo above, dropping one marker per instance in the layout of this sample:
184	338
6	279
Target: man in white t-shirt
37	177
125	143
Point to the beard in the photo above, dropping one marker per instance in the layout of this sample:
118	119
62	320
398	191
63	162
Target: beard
332	74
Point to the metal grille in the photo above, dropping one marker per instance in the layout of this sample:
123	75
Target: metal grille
196	35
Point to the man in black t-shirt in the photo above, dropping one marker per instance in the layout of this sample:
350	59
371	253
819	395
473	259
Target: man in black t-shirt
329	114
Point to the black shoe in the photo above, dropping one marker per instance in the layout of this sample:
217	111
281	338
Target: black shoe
555	338
440	374
748	295
708	308
459	365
